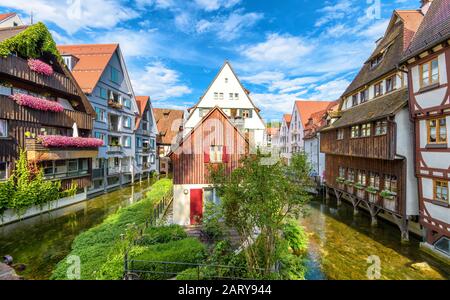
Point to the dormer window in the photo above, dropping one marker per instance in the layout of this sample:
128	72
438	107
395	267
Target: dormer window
354	100
364	96
376	61
390	84
378	89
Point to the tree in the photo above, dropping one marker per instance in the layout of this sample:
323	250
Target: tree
262	197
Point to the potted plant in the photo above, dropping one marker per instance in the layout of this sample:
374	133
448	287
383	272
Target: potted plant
340	180
388	195
359	186
349	182
371	190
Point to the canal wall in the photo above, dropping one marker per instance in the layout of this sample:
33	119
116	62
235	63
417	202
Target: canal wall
11	216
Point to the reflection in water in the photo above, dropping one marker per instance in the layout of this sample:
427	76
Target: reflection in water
42	241
341	243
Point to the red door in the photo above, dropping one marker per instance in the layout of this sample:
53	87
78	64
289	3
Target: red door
196	206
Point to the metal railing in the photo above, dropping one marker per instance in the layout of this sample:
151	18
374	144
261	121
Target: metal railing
144	270
68	174
98	173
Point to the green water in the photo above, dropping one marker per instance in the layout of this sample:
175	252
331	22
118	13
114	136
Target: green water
341	243
41	242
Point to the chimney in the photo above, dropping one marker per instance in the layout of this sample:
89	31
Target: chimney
425	6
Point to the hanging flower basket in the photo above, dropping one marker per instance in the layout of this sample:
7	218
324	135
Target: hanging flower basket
58	141
40	67
37	103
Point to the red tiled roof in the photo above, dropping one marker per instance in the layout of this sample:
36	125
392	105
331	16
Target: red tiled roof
287	118
307	108
168	122
273	130
316	121
93	60
141	102
6	16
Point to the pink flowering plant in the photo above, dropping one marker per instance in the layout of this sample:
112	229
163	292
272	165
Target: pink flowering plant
59	141
37	103
40	67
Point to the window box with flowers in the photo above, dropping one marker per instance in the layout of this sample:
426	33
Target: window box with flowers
37	103
56	141
389	200
40	67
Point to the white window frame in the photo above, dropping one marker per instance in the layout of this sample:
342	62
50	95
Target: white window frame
3	136
215	154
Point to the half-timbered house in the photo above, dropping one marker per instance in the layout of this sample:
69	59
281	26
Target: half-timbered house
46	114
428	64
214	140
369	146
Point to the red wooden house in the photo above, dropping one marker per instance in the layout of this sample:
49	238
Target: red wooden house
215	140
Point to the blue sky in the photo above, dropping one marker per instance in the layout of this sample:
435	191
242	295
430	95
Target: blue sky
282	50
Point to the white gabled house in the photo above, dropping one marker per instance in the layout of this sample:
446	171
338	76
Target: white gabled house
228	93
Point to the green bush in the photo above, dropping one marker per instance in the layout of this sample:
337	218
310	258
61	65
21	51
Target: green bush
296	237
101	248
189	250
33	42
6	194
160	235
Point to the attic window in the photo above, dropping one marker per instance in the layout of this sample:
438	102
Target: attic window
226	80
166	114
376	61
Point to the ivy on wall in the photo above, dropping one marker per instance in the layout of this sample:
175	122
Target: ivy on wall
33	42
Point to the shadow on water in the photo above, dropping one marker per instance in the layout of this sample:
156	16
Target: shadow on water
340	245
42	241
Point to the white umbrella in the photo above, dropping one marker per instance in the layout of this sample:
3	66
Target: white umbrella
75	130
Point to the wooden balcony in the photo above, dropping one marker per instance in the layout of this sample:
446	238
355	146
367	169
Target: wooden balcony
37	152
18	68
10	110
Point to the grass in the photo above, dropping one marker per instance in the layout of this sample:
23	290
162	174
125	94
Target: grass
101	248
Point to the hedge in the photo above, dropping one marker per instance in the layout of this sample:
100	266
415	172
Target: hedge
189	250
101	249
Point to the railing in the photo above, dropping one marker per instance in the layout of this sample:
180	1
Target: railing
68	174
114	148
114	104
126	169
113	170
141	269
98	173
18	67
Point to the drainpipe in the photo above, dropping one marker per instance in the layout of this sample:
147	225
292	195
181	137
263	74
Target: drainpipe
404	222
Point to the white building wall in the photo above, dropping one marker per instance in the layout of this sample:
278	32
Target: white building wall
182	202
227	83
10	22
405	147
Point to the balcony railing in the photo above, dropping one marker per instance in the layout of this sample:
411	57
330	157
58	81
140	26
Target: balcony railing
18	67
98	173
37	152
114	149
114	170
126	169
115	104
66	175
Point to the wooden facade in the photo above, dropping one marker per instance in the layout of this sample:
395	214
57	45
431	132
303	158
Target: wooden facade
23	121
190	159
373	146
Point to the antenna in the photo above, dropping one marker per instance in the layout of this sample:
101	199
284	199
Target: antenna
31	18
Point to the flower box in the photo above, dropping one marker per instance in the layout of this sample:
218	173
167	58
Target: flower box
340	180
373	198
115	105
361	193
37	103
58	141
40	67
359	186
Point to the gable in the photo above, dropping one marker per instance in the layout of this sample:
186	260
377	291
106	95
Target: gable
216	128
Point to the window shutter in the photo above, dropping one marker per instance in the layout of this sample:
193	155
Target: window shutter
206	156
250	113
225	156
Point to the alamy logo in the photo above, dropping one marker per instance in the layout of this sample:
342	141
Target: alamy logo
74	268
373	12
374	270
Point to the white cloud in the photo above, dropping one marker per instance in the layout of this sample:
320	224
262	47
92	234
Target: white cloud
330	90
230	27
278	50
159	82
74	15
211	5
132	43
335	11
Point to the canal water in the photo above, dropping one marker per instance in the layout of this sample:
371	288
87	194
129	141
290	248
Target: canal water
42	241
341	244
